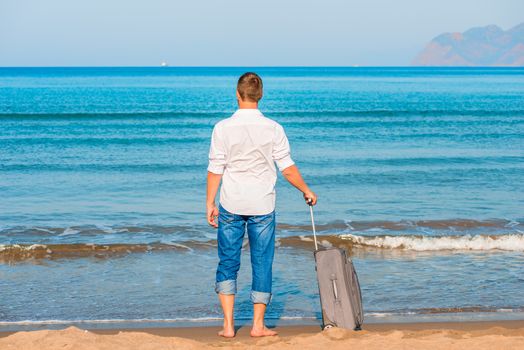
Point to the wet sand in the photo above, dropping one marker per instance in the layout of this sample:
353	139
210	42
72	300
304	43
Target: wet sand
445	335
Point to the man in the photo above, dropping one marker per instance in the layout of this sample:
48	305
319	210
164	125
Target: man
243	153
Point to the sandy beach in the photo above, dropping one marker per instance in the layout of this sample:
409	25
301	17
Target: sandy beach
452	335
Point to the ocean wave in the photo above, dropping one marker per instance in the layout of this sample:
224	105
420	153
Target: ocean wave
446	310
403	225
357	237
509	242
12	253
426	226
109	114
113	320
204	319
141	320
355	245
39	232
298	114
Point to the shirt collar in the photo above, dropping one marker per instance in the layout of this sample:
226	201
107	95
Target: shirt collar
248	111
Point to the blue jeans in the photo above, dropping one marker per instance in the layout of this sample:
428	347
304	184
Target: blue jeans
261	233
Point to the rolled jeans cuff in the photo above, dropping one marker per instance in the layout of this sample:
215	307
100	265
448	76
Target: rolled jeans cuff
260	297
226	287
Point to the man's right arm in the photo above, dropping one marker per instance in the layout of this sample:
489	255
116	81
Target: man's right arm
292	174
282	156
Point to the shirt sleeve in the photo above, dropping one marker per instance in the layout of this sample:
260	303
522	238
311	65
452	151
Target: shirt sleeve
217	153
281	149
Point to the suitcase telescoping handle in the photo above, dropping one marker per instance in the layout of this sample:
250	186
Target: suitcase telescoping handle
313	223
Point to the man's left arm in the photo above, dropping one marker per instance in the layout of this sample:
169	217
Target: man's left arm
215	169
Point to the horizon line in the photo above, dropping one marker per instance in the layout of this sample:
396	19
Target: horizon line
258	66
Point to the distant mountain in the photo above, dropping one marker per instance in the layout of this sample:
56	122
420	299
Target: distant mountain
481	46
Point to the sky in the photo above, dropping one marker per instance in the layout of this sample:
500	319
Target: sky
235	32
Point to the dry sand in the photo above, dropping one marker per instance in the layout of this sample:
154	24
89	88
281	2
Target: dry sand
468	335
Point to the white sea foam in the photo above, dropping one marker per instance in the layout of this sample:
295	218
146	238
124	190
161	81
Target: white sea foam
174	244
44	230
17	246
69	231
326	244
140	320
348	224
378	314
510	242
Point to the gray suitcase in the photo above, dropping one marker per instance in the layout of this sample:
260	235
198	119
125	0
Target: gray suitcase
338	285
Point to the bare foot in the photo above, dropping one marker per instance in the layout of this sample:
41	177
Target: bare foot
227	332
262	332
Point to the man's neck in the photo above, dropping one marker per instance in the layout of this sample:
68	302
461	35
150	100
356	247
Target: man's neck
247	105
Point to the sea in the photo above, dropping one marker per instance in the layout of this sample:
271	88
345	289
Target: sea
419	173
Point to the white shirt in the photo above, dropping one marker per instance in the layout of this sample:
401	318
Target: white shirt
244	148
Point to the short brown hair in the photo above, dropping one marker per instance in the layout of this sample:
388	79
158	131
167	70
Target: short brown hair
249	87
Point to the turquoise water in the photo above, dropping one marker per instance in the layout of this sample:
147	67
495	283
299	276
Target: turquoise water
102	188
